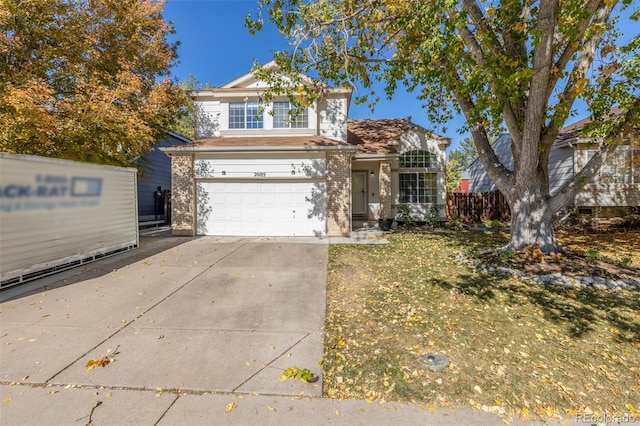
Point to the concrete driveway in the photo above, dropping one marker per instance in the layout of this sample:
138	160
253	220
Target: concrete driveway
200	331
198	315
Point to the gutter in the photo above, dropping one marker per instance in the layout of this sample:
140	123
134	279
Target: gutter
248	149
375	156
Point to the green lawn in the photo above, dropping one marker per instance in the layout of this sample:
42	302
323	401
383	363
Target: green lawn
516	348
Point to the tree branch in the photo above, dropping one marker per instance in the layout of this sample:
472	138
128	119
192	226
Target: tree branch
625	127
537	103
571	90
508	112
591	7
500	175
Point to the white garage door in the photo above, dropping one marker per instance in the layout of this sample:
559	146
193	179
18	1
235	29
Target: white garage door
269	208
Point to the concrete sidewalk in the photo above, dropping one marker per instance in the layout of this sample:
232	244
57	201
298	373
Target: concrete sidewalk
199	329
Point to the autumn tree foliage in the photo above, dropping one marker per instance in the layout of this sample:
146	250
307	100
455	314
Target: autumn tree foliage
513	65
85	79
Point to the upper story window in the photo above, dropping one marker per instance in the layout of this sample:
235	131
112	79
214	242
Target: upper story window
245	115
622	166
418	159
284	119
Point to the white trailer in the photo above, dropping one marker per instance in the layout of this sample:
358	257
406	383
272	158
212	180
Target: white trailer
58	214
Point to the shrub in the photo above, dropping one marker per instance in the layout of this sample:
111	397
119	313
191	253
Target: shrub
433	215
591	255
576	219
404	214
454	223
631	221
492	223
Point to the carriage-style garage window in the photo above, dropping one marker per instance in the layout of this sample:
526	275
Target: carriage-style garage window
245	115
283	119
418	159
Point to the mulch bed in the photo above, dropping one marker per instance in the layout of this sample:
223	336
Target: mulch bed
567	263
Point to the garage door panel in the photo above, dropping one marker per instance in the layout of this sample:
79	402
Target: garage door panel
261	208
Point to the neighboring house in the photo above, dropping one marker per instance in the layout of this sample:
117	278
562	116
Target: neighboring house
614	190
463	186
315	174
154	174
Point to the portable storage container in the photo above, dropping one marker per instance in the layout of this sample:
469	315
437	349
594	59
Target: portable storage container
57	214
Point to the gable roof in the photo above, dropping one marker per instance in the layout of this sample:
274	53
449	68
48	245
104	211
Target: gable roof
248	85
377	135
247	79
572	132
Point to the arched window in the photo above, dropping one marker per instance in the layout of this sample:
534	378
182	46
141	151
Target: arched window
418	187
418	159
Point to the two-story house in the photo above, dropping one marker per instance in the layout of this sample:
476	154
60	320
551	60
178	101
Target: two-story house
259	170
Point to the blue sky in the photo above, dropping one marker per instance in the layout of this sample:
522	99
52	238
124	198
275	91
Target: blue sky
216	48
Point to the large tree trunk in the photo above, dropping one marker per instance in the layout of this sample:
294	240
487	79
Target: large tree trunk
532	217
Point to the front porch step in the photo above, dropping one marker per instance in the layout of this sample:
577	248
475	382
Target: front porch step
367	234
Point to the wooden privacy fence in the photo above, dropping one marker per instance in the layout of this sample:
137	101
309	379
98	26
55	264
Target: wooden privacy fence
476	208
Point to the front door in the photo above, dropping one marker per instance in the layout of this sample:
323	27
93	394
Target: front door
359	193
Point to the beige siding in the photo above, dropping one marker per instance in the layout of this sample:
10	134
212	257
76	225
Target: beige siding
338	194
604	194
209	117
386	197
182	196
333	118
608	195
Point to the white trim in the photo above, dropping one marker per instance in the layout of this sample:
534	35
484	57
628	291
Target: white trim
375	156
257	149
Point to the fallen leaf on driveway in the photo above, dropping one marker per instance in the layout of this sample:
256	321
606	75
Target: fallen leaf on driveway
100	362
230	406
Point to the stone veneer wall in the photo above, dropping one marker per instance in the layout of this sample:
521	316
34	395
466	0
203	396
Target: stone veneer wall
385	190
182	193
338	194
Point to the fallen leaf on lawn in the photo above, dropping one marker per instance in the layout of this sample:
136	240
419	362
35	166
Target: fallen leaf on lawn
477	389
230	406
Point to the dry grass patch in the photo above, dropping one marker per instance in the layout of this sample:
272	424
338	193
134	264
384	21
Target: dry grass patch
516	349
615	244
